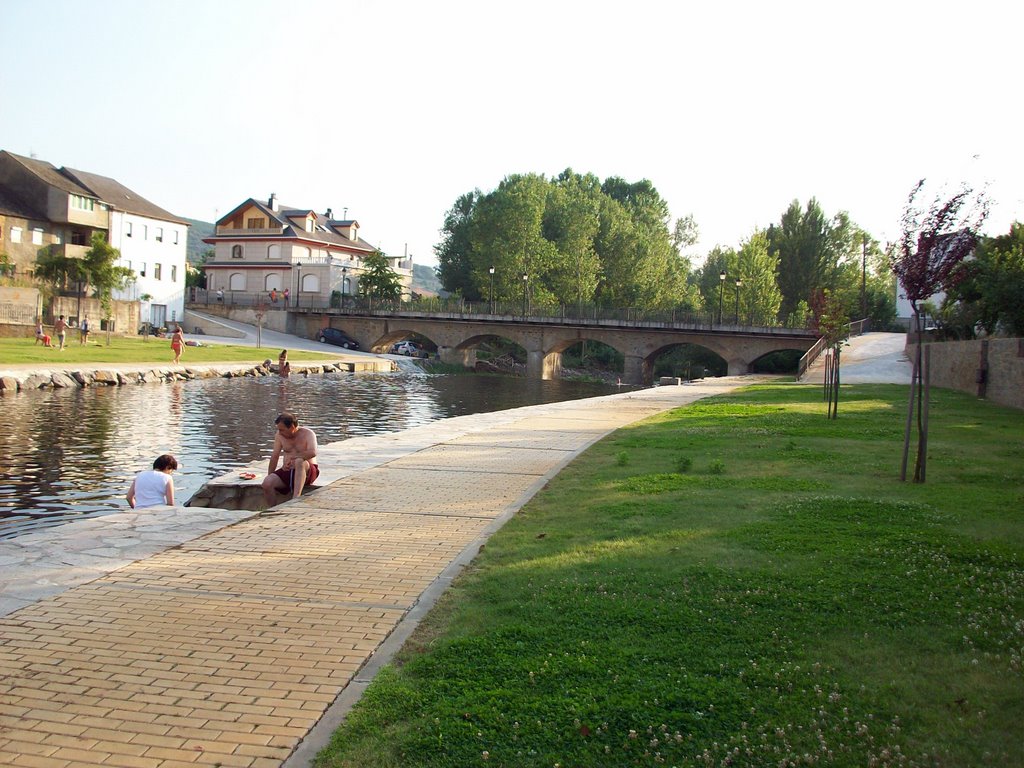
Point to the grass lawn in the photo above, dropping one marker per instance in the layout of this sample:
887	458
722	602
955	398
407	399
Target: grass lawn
738	582
138	349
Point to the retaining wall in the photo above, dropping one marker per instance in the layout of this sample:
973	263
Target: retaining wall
989	368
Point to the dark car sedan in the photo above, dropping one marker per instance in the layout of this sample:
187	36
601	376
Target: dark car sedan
337	337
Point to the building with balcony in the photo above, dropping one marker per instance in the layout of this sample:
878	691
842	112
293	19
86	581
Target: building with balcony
268	250
42	206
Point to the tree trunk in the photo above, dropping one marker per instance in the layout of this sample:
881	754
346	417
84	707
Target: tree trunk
914	377
921	467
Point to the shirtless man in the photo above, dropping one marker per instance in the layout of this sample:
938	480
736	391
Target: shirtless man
296	447
61	329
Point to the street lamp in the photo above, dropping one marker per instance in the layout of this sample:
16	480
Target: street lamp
738	284
721	291
526	277
490	294
344	285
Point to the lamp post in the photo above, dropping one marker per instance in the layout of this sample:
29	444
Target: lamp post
526	277
490	293
738	284
721	292
344	285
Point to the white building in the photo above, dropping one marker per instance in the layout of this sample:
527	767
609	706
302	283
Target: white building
152	243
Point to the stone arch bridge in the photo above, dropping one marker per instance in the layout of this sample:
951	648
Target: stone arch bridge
544	340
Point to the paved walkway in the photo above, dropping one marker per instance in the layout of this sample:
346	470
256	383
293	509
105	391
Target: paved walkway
149	641
873	358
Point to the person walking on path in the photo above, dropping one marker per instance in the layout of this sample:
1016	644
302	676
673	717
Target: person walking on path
296	448
61	329
83	331
177	344
154	486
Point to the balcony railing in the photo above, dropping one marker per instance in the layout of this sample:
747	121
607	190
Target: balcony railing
234	231
70	251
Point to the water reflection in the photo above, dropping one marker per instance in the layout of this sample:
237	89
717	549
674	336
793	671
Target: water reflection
72	453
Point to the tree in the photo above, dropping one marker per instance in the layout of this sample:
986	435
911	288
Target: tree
989	295
571	222
830	319
928	259
506	233
455	251
103	274
809	248
378	280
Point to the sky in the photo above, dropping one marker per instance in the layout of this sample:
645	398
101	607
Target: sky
393	109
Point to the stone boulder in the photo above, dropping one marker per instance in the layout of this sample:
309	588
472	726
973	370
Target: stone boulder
63	381
8	384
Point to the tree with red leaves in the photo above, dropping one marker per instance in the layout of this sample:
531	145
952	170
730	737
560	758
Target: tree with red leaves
933	245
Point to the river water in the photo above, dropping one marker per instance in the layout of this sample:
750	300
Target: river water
72	453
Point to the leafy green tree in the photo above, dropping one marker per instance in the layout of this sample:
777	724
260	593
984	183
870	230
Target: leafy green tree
506	233
991	294
831	321
59	271
103	274
809	248
571	222
455	251
378	280
757	297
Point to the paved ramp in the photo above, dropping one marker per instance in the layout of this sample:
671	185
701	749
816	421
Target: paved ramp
872	358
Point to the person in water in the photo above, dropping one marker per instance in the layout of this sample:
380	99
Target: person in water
154	487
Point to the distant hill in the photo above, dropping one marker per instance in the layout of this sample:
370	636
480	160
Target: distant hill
424	280
195	246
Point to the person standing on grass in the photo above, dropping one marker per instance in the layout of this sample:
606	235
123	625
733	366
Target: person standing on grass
83	331
154	486
61	329
177	344
296	448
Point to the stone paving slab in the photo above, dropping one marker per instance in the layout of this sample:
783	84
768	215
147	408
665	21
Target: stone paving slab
241	646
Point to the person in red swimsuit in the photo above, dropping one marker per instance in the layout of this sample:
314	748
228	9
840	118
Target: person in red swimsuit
177	344
295	447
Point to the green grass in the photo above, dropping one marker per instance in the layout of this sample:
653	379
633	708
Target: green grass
786	601
138	349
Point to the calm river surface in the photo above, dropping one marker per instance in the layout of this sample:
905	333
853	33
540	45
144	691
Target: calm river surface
68	454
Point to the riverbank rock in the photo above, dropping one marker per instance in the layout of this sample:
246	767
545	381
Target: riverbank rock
37	381
8	384
63	381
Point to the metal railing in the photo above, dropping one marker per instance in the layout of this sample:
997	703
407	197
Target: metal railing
504	311
856	328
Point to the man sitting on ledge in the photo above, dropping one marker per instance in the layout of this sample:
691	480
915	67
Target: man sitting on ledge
296	447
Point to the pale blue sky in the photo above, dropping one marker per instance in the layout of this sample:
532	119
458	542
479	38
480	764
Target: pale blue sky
394	109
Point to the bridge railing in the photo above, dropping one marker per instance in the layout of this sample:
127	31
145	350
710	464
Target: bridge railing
498	311
856	328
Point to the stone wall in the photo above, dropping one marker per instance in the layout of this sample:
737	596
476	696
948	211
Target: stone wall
989	368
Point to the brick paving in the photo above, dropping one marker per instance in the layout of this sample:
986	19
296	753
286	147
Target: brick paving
229	649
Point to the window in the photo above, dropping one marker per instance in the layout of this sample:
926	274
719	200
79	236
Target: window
83	203
15	234
174	273
58	236
274	251
157	269
236	251
237	282
37	236
127	229
254	223
175	237
159	234
142	269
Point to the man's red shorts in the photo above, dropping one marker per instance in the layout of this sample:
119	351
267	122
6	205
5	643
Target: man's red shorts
286	475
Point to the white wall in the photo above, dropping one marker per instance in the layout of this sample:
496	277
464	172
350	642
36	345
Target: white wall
142	248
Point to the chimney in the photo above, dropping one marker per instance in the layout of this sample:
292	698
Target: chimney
272	202
328	214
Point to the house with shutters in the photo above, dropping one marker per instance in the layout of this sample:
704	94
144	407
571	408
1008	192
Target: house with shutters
266	249
43	206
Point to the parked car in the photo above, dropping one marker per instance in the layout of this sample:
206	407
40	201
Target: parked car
410	348
337	337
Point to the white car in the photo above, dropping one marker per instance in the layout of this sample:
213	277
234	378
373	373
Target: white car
410	348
